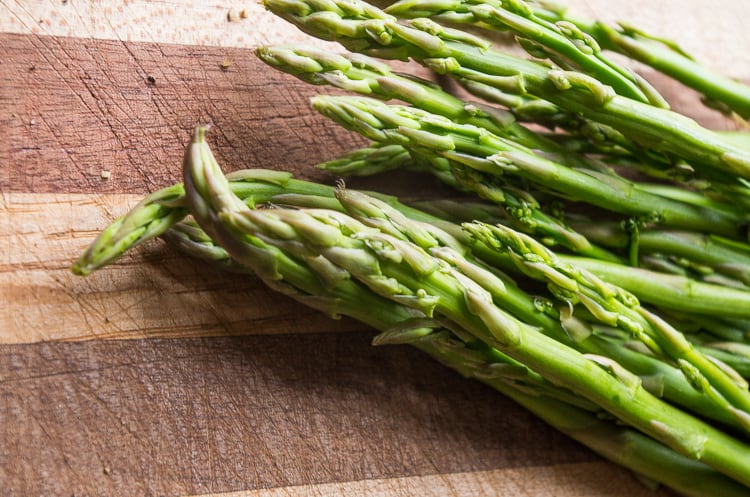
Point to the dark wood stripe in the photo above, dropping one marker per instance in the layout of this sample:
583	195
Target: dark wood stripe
191	416
71	108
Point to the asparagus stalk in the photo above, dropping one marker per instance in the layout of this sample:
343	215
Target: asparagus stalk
661	54
736	355
562	42
658	378
260	186
615	307
727	257
148	219
525	108
584	136
561	326
164	208
367	76
570	415
369	160
702	257
364	28
691	303
624	446
477	148
404	273
519	207
661	288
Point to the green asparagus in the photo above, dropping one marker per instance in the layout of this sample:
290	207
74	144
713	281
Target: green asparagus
562	42
479	149
569	414
364	28
661	54
345	251
586	342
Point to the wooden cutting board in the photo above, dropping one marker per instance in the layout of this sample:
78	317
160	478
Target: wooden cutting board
161	376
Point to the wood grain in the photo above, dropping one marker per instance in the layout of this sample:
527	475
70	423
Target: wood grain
153	291
589	479
74	108
191	416
305	407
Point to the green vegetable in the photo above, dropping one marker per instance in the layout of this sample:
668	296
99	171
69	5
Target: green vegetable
361	27
562	42
479	149
478	286
280	245
661	54
569	414
367	76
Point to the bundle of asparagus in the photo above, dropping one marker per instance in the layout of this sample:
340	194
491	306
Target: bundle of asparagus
616	309
422	280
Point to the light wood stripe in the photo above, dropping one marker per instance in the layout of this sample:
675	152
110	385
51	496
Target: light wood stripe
153	292
596	479
714	32
185	22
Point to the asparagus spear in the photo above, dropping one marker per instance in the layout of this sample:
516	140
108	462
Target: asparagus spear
368	76
613	306
659	378
559	325
719	328
526	108
703	257
148	219
519	207
564	43
570	415
364	28
661	54
624	446
589	37
404	273
259	186
727	257
477	148
663	287
584	136
372	159
163	209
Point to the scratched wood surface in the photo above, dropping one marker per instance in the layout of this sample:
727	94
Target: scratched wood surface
161	376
